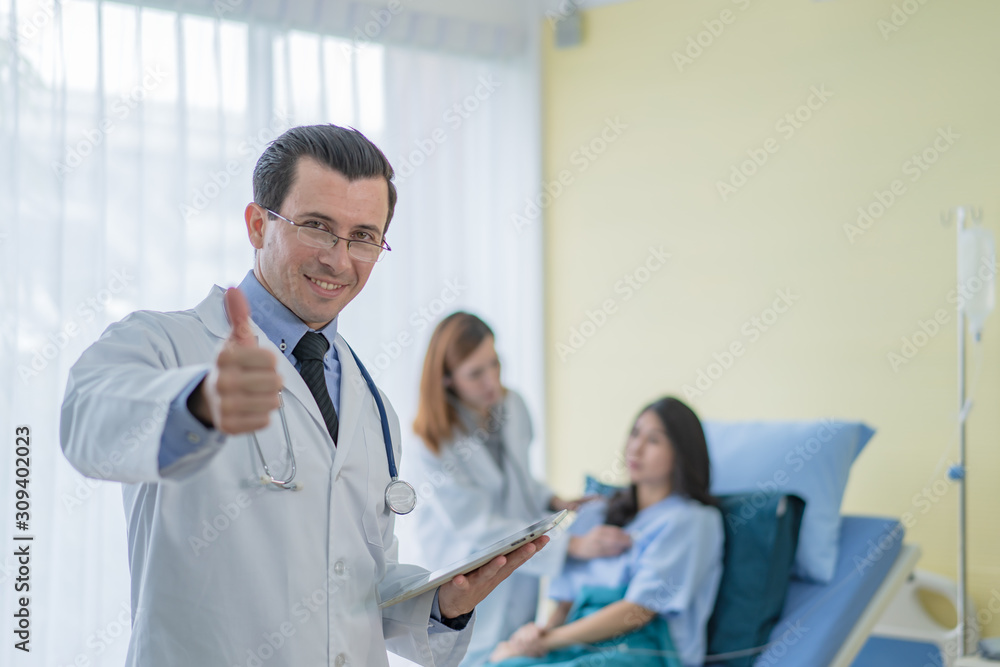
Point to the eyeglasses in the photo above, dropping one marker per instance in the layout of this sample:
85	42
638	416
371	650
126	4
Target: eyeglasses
315	234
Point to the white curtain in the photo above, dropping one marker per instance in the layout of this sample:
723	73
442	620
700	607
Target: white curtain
127	139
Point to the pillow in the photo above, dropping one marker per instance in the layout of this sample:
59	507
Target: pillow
808	459
592	487
757	562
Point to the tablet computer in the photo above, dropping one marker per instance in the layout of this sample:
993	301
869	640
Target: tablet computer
431	580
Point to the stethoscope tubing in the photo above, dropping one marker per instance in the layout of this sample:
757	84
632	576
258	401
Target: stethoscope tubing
404	506
285	484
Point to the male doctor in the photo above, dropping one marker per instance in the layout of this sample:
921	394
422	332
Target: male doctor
230	565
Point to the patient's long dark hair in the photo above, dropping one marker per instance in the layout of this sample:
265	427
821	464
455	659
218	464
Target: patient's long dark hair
691	473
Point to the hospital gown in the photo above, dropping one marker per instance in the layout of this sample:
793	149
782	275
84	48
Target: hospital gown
672	568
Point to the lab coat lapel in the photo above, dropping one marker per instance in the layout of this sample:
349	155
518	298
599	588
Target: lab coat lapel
294	385
354	400
482	465
212	313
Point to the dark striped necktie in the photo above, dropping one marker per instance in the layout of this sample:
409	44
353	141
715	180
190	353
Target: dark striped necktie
310	352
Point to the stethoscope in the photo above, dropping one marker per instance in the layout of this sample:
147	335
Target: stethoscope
399	495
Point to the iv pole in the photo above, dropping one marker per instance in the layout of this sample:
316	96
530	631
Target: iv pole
957	472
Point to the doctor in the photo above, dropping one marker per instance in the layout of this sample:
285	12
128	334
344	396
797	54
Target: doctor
472	474
259	528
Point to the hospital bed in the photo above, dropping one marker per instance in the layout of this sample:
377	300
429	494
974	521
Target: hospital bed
839	616
802	585
808	624
845	569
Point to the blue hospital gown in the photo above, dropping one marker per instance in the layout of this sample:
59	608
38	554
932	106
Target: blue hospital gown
672	568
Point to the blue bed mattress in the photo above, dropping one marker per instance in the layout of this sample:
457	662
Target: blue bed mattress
817	618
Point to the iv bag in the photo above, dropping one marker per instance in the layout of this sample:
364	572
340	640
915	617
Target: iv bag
977	269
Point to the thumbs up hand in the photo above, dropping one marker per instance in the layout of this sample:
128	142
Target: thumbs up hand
238	311
241	390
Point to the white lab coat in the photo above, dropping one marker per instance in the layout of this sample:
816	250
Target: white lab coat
224	570
466	502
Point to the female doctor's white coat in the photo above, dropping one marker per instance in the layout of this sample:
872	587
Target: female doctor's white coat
467	502
225	571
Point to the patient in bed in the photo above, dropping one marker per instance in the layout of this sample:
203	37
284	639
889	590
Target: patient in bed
648	606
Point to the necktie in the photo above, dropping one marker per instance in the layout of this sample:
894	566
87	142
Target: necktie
310	352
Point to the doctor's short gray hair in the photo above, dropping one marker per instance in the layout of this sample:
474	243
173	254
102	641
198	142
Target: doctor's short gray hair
342	149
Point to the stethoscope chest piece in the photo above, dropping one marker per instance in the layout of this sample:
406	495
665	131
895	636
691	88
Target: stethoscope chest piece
400	497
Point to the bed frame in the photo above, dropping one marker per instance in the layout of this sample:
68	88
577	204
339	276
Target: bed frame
905	562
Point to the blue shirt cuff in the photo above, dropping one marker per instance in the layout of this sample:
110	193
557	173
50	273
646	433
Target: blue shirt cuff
439	624
183	433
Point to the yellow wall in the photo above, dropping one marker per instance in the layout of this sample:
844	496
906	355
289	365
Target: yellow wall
655	184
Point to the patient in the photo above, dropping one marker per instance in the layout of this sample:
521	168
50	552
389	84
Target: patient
650	605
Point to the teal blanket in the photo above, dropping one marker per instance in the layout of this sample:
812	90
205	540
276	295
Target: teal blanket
649	646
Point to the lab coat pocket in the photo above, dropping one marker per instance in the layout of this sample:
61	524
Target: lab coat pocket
376	517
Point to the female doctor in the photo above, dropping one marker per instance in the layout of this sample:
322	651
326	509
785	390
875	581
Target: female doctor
473	480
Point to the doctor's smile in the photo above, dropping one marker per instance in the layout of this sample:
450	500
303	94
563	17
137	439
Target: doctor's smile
332	288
